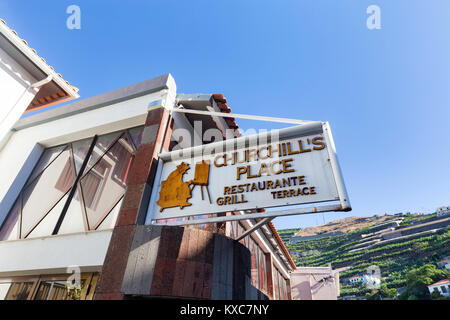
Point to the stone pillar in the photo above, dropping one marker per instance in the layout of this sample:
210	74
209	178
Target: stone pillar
134	205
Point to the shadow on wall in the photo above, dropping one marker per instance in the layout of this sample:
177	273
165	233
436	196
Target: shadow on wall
302	290
188	263
307	284
11	196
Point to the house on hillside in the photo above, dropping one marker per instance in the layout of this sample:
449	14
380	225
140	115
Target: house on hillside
443	287
443	211
367	279
355	279
444	263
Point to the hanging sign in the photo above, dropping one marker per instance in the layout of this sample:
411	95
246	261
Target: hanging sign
293	166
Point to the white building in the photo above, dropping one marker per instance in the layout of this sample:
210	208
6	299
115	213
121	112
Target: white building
443	211
27	82
355	279
75	186
443	287
315	283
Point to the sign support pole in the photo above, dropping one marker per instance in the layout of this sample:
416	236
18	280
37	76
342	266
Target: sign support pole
241	116
255	227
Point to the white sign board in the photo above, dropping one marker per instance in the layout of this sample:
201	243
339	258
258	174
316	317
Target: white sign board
292	166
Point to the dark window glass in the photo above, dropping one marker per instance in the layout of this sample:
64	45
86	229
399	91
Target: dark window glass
136	136
18	290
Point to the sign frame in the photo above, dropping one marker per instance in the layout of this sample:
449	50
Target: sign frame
268	137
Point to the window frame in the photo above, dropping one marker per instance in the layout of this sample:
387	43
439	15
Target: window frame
123	134
86	294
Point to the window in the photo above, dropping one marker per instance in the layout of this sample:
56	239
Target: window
259	271
280	286
262	271
59	198
48	288
15	290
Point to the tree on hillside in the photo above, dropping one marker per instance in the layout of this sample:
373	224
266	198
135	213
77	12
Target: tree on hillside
418	280
382	293
418	247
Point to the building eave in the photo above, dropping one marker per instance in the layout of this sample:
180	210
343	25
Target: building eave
68	92
115	96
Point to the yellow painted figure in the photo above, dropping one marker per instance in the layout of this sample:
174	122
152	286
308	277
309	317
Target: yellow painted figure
174	191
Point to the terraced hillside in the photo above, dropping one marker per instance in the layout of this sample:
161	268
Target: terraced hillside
394	257
287	234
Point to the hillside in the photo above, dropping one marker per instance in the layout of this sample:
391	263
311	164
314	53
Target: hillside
343	225
395	257
286	234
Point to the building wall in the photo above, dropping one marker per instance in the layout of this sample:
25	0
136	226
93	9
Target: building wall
442	211
443	289
54	254
19	156
268	273
187	263
15	92
315	283
23	150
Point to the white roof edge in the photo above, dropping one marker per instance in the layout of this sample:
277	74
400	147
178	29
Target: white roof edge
33	57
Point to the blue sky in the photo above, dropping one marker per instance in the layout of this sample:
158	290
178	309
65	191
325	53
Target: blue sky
385	92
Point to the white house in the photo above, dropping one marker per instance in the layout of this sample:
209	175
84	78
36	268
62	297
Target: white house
355	279
443	211
443	287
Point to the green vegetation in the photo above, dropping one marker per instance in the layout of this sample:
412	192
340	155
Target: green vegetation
418	279
411	219
383	293
286	234
396	259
